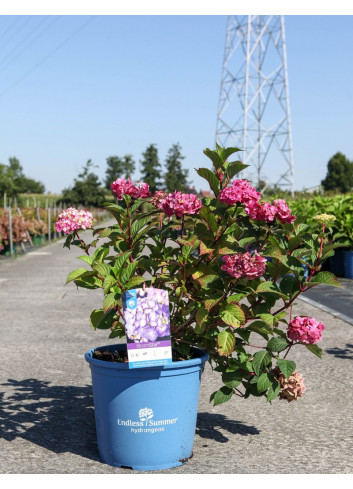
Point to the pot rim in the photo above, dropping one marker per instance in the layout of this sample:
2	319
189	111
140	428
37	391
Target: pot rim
125	366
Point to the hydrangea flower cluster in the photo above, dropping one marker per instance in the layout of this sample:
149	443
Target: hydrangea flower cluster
158	198
123	187
306	330
246	265
291	388
150	319
71	220
240	192
180	204
264	211
243	193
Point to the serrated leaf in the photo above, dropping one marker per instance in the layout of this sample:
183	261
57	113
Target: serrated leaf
118	330
327	278
225	343
133	282
232	379
110	302
222	395
270	287
201	318
108	283
273	391
261	360
211	178
264	382
212	302
100	320
102	268
128	271
277	344
287	367
88	259
233	168
75	274
315	349
120	261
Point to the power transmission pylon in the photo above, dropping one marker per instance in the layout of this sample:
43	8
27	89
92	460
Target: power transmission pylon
253	111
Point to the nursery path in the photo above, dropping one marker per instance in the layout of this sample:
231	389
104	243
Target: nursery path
46	413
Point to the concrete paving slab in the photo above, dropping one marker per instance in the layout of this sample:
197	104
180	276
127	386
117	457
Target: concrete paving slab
46	407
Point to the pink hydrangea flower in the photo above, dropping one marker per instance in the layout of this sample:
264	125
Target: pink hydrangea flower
123	187
261	211
306	330
71	220
179	204
158	198
284	214
240	192
246	265
291	388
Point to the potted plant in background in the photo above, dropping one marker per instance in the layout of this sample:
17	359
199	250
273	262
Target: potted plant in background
232	267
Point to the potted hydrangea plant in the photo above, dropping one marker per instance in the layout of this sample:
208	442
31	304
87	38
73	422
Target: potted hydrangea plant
231	267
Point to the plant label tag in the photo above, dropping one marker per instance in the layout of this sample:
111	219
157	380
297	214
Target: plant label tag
147	326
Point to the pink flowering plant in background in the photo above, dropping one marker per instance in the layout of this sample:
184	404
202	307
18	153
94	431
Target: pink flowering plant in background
233	265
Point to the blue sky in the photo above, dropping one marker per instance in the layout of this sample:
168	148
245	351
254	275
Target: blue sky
81	87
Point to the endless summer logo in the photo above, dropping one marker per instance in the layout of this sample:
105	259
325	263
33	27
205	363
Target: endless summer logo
146	423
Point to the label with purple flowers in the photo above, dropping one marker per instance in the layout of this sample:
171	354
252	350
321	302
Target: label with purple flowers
147	326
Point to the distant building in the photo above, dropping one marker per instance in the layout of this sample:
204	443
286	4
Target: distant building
205	194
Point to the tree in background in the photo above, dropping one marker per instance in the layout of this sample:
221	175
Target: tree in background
87	189
339	175
118	168
13	181
175	177
151	168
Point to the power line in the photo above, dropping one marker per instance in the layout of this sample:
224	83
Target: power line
48	55
28	44
26	20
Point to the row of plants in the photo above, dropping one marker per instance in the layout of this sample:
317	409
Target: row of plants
31	225
341	207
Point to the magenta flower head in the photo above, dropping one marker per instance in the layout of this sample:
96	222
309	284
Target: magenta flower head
240	192
123	187
284	214
71	220
158	198
305	330
241	265
180	204
263	211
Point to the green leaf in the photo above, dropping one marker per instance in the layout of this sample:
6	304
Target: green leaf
88	259
133	282
232	379
75	274
222	395
118	330
128	271
233	168
264	382
102	268
110	302
327	278
277	344
287	367
270	287
201	318
261	360
315	349
100	320
225	343
211	178
108	283
229	319
273	391
89	281
214	157
120	261
212	302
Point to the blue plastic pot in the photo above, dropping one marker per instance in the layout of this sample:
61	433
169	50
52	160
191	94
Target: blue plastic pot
145	417
337	262
348	263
